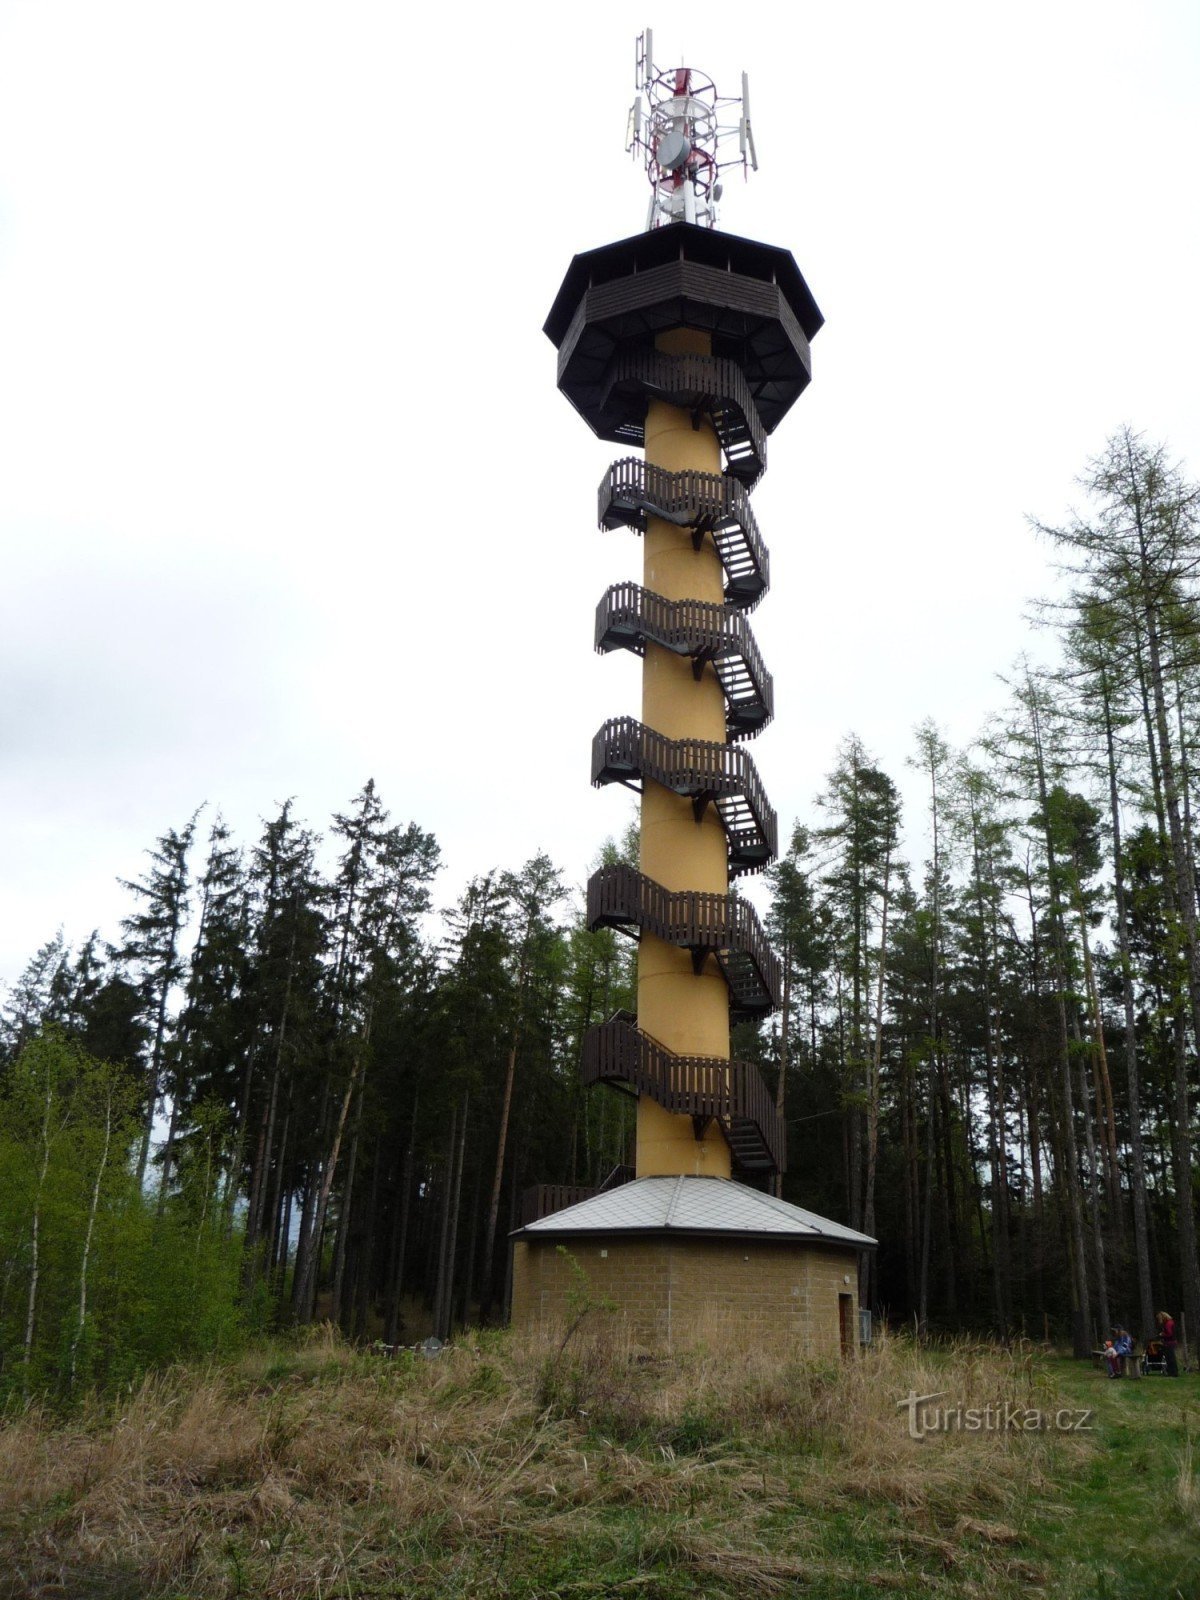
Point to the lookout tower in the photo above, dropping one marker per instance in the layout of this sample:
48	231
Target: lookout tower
689	345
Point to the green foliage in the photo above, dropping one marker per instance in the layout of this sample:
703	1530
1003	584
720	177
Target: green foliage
95	1288
581	1298
575	1381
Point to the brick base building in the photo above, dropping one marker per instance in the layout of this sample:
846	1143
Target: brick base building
687	1257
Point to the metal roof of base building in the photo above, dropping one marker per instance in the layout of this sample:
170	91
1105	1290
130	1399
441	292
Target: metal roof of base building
693	1205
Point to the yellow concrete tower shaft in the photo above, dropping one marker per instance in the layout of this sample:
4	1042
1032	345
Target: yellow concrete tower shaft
686	1011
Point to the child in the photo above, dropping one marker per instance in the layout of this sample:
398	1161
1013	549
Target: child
1123	1348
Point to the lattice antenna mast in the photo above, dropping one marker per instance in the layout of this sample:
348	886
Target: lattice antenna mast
685	132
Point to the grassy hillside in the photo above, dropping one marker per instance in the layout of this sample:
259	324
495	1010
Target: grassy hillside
506	1469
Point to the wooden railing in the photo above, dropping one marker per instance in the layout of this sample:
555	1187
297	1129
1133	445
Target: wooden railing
731	1092
706	385
629	616
705	502
544	1199
706	924
626	751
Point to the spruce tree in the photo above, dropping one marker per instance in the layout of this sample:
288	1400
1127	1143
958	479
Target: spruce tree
151	953
857	841
35	999
530	896
210	1040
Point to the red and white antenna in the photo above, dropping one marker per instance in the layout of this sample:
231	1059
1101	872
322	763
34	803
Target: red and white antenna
683	128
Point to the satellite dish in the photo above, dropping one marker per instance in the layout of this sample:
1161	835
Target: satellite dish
673	150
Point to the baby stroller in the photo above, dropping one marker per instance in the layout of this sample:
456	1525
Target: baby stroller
1155	1359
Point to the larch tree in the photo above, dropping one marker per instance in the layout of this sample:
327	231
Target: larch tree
1138	550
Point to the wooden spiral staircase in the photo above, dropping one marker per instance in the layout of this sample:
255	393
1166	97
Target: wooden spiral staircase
630	617
711	927
708	331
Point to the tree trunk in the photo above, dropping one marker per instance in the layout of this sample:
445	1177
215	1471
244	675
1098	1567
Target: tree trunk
1105	1114
153	1080
400	1253
1133	1083
489	1237
455	1207
785	1023
363	1296
1086	1102
280	1206
35	1256
308	1284
912	1182
1068	1181
1186	903
168	1157
868	1289
345	1215
93	1207
469	1272
1189	1274
927	1213
439	1297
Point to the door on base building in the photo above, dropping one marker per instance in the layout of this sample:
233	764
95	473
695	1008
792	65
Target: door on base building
846	1323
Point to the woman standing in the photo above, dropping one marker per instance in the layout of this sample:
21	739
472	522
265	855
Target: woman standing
1166	1332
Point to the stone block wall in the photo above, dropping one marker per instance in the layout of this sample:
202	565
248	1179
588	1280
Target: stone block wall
673	1290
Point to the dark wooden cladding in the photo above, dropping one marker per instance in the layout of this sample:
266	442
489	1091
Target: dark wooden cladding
706	502
544	1199
706	1087
719	925
626	751
750	322
749	297
641	253
705	385
629	617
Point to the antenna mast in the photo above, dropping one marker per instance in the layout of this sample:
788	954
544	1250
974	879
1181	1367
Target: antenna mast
678	124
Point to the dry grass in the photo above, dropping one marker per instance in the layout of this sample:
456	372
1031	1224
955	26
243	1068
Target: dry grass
1187	1486
507	1468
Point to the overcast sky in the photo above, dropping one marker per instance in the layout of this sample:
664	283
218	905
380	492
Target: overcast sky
288	497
